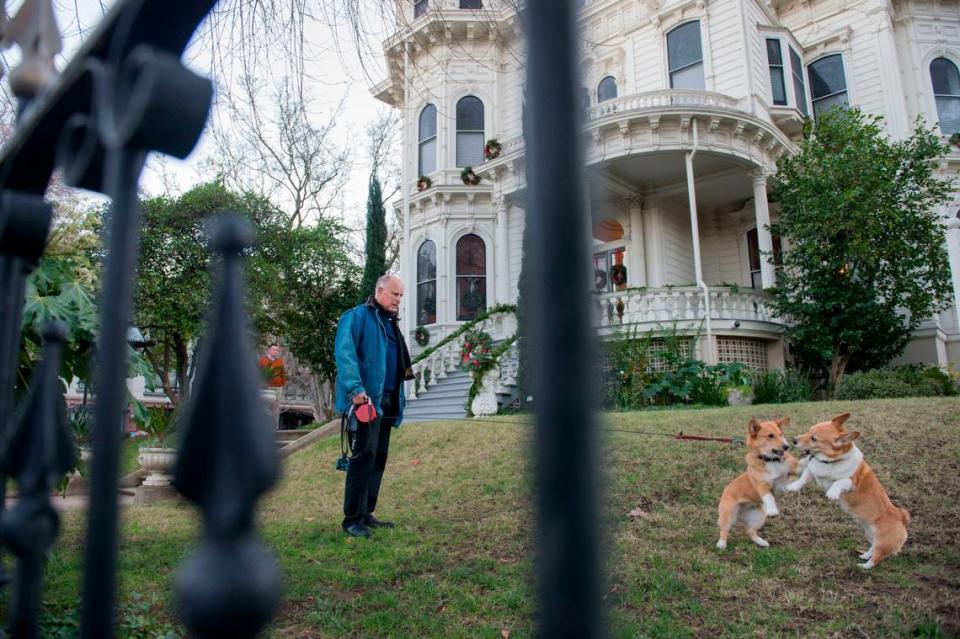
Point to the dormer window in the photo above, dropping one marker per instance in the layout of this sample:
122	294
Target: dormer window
471	4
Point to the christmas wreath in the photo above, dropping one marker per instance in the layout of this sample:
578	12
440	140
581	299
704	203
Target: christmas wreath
491	150
421	336
475	354
424	183
618	274
469	177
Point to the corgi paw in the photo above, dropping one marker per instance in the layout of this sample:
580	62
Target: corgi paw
834	493
794	487
721	544
868	565
760	541
866	555
771	511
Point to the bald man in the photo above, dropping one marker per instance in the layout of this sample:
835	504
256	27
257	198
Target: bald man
372	362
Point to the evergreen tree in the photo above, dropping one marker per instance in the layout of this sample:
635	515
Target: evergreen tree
375	248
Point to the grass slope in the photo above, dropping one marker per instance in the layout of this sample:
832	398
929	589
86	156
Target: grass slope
459	563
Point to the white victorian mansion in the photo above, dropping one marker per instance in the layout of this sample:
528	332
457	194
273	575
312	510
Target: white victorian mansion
689	105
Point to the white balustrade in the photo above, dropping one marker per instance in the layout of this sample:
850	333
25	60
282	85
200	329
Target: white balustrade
660	99
681	303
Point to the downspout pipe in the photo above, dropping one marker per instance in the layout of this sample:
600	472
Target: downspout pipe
695	233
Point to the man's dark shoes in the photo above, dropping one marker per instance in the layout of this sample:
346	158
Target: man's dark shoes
373	522
357	530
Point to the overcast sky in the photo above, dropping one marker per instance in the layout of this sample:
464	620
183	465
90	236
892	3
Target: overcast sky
332	75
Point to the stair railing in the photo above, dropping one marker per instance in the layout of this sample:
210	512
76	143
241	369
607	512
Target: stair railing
433	363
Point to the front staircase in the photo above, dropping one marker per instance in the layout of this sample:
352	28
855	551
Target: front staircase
447	397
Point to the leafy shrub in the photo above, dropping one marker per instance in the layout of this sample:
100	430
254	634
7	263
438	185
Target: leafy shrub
780	387
695	382
905	381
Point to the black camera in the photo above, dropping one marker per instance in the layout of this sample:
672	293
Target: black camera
343	463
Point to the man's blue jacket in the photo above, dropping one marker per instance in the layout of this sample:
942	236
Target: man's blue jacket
361	354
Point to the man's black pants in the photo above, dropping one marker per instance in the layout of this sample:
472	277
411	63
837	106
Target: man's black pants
368	462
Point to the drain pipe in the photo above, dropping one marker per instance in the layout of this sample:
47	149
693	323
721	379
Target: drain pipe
695	232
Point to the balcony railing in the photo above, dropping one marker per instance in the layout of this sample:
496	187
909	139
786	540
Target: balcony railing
683	304
661	99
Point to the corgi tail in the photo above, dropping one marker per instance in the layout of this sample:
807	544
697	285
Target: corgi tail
904	516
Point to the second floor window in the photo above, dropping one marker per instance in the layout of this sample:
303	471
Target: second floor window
799	89
427	283
828	84
469	132
685	57
946	91
607	89
419	8
775	60
427	140
471	4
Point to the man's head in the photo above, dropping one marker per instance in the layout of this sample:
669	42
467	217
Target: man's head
273	351
389	292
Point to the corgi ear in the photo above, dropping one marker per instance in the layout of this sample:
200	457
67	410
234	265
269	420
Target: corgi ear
846	438
753	427
783	423
839	419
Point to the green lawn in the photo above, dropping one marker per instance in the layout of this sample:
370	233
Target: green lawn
458	564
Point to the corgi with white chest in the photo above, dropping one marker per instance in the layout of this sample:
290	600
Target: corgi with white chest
750	498
838	467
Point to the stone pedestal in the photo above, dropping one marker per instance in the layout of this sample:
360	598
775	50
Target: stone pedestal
485	402
271	399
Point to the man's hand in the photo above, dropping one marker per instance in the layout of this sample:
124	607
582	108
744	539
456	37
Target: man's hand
360	398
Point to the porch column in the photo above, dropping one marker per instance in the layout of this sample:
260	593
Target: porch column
652	247
637	276
953	254
764	239
501	250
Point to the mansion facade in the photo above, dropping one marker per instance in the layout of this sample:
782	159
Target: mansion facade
688	105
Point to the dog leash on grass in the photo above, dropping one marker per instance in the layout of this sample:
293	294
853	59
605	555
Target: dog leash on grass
737	441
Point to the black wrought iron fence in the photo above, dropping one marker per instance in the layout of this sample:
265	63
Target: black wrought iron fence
126	94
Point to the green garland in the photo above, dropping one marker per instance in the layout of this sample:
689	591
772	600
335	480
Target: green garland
493	310
495	354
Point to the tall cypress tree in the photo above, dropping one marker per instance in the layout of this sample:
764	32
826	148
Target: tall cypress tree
376	243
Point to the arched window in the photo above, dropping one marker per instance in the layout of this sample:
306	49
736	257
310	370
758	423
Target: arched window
685	57
427	283
471	277
946	90
828	84
607	89
428	140
419	8
469	132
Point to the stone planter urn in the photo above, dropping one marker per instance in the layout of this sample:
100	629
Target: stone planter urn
271	398
157	462
485	402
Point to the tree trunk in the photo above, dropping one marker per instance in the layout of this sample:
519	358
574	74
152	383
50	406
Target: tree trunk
163	371
183	365
838	364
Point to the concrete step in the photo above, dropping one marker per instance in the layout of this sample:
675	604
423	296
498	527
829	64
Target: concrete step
439	392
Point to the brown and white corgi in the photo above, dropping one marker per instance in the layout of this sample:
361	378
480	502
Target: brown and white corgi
839	468
749	498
